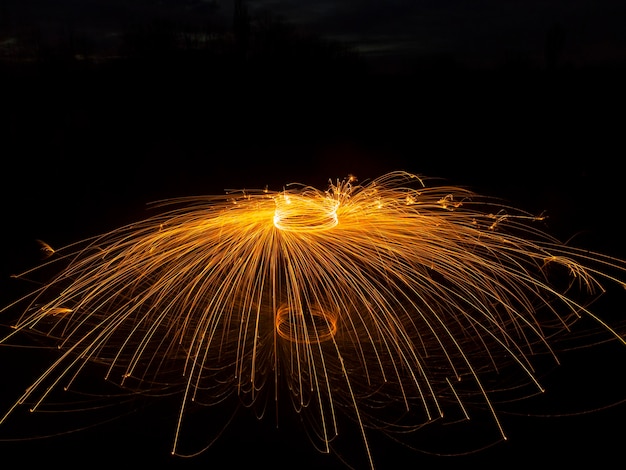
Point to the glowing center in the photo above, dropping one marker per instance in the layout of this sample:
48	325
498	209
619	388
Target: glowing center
305	213
312	326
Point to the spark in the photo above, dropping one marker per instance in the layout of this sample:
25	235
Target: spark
388	301
45	249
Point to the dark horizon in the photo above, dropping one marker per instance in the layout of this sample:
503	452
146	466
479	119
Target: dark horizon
399	38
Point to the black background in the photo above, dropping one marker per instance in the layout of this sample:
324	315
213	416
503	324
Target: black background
84	150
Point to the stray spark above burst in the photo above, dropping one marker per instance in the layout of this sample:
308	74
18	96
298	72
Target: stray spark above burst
392	303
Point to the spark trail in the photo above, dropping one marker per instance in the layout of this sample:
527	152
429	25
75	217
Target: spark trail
390	302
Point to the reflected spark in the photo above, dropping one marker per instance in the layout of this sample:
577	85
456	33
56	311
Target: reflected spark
391	303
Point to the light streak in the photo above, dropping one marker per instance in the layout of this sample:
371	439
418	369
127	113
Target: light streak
390	301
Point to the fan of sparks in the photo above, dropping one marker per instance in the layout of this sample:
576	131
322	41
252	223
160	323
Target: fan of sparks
390	302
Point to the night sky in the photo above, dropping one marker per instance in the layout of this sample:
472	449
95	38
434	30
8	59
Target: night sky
483	33
105	109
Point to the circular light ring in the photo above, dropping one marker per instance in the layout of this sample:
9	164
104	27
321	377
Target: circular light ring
305	213
314	325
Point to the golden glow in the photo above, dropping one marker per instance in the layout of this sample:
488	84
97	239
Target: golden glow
315	326
45	249
390	301
305	213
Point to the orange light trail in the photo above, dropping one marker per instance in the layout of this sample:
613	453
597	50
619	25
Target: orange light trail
380	301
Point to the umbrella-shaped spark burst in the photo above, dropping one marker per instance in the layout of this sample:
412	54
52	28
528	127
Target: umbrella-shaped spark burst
389	302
